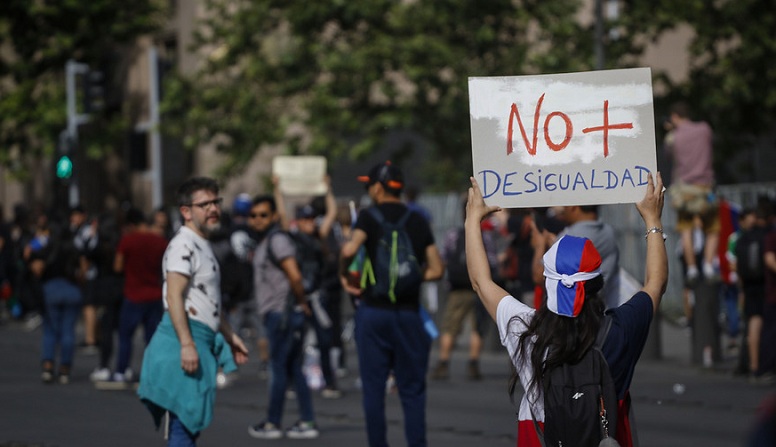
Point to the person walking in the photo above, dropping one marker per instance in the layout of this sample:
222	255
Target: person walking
139	257
567	324
178	376
284	308
390	333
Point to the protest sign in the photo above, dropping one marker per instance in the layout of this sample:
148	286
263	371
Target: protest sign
301	175
563	139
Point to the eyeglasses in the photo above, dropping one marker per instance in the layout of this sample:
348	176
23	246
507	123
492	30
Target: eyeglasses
262	215
205	205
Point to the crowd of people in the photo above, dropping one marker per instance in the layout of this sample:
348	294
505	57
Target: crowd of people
281	280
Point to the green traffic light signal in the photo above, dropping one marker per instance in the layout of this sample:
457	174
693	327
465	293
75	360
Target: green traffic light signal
64	167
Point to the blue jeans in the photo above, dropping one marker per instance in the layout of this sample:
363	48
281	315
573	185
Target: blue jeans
285	332
62	300
179	436
395	341
729	294
132	314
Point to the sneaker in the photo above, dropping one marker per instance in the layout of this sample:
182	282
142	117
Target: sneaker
100	374
710	273
692	275
117	381
331	393
473	370
441	372
64	378
47	376
303	430
265	430
87	349
33	322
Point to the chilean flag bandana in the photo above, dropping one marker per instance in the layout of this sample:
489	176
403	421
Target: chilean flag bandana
567	265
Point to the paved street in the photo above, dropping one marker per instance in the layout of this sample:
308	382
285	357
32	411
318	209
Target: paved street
714	409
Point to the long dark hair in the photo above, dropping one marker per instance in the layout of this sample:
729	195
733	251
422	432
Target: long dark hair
564	339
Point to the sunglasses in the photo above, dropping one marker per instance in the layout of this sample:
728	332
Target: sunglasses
262	215
205	205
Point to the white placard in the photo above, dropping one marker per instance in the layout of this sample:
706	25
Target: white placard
564	139
301	175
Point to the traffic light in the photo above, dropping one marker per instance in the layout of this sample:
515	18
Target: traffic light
64	167
93	91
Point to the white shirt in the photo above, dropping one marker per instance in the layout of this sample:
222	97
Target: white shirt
191	255
512	318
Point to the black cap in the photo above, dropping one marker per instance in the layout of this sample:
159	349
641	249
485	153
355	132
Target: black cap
389	175
305	212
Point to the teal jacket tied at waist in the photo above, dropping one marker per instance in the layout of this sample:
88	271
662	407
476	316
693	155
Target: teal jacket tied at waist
164	386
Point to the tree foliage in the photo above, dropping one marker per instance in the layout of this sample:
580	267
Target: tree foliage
36	40
731	56
334	77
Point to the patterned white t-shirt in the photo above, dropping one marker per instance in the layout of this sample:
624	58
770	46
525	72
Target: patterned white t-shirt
190	254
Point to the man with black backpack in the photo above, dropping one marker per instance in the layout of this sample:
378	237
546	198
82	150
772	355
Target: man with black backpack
283	308
390	333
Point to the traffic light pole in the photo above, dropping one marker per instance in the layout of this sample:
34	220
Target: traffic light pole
152	128
74	119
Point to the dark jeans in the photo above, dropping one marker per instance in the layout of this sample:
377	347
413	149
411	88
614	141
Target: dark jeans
390	340
285	332
63	305
326	337
132	315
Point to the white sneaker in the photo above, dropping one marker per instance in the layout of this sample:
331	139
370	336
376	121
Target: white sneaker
265	430
303	430
99	374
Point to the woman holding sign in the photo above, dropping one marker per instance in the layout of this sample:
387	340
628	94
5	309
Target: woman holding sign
565	328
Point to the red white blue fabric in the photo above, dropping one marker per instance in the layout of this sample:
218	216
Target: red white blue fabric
567	265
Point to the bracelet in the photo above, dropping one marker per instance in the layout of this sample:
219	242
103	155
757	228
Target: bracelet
655	230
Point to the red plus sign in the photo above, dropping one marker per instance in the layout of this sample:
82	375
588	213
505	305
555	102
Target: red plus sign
605	128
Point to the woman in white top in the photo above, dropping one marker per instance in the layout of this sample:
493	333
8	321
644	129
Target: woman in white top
567	323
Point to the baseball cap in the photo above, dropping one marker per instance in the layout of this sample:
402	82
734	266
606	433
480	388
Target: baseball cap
305	212
386	173
567	265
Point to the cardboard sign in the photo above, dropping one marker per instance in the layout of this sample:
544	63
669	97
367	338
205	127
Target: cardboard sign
302	175
564	139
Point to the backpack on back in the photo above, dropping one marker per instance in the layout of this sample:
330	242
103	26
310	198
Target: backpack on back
309	258
750	265
455	263
395	271
580	401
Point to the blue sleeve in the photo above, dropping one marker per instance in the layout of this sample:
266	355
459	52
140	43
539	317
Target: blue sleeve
626	339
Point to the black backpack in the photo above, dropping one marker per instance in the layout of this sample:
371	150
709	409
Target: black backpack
580	401
395	271
455	263
309	258
750	265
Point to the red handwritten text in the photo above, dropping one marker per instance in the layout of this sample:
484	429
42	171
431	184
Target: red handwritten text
530	146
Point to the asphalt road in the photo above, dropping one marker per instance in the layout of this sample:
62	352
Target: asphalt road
676	404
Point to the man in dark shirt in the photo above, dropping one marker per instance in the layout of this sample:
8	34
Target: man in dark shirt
390	335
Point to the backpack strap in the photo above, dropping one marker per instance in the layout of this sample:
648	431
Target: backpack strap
271	254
